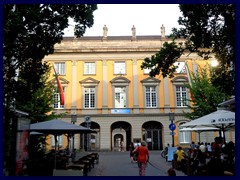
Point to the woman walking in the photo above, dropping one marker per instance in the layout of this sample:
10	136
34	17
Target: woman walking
143	156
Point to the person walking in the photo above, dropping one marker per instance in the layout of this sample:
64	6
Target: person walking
131	149
143	156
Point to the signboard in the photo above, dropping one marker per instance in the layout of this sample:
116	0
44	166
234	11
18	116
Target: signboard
171	151
172	133
172	126
120	111
87	119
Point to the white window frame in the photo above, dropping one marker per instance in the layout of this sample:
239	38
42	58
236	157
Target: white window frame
91	93
122	92
184	136
120	67
151	102
59	140
89	68
181	95
60	68
57	104
146	70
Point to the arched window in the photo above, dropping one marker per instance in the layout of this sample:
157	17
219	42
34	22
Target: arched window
184	136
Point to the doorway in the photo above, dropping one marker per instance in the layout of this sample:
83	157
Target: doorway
152	134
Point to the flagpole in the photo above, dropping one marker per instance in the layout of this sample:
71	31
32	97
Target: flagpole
59	87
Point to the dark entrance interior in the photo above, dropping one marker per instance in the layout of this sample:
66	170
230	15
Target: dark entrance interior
90	142
152	134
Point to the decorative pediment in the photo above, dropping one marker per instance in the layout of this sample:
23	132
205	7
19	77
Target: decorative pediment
120	80
180	79
150	81
89	81
61	79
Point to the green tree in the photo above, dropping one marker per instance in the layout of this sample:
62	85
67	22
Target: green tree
39	96
162	61
205	95
207	28
212	26
30	33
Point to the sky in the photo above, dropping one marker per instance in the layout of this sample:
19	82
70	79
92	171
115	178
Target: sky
120	18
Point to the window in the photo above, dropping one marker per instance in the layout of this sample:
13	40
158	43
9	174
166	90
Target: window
146	71
89	68
59	141
119	68
60	68
120	97
151	96
181	96
184	136
181	67
151	89
57	104
89	97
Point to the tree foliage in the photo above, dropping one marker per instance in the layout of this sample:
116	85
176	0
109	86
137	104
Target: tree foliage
205	95
39	96
162	61
212	26
207	28
30	32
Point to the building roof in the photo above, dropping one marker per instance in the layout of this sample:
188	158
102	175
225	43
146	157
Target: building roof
145	37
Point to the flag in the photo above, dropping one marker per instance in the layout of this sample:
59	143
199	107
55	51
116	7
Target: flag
59	87
189	79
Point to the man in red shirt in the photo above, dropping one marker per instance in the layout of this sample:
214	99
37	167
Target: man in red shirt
143	155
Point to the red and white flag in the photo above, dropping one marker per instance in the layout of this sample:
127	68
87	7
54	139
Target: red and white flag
59	87
189	79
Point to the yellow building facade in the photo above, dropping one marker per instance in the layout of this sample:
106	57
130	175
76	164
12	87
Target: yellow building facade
106	89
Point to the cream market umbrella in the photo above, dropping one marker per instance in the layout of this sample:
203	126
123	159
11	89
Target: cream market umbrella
222	119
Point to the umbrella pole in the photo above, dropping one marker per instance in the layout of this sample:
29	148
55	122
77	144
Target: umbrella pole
223	130
55	155
199	137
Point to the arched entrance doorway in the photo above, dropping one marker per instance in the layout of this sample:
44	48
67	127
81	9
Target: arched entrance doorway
152	134
91	142
120	131
118	139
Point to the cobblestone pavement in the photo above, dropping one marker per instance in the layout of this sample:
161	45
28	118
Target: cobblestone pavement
119	164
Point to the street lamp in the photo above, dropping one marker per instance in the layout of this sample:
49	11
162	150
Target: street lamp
88	123
73	121
172	126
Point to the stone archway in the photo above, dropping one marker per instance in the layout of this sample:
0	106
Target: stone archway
152	134
121	130
91	141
